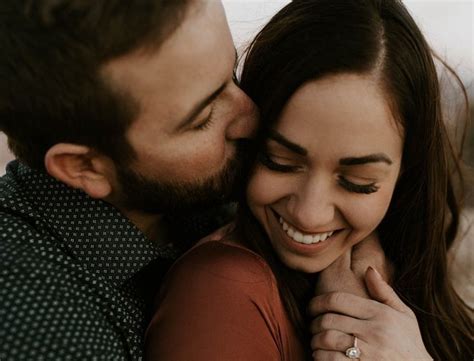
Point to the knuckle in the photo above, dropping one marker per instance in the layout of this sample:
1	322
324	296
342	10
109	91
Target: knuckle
341	342
329	340
327	321
324	340
326	302
317	355
334	299
323	355
317	305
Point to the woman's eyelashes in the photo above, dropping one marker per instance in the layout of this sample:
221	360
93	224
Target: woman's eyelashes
267	160
357	188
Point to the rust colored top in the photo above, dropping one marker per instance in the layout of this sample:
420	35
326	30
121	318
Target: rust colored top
220	302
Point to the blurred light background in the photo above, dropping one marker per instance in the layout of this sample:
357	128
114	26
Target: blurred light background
447	24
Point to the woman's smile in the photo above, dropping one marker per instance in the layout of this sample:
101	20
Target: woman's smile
301	237
300	242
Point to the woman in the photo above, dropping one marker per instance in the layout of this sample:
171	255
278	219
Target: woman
351	141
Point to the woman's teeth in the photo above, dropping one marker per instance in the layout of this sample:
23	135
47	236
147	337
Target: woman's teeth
304	238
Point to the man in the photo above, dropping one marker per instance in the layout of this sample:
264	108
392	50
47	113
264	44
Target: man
119	113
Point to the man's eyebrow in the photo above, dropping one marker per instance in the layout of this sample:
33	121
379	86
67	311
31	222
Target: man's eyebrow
371	158
277	137
200	106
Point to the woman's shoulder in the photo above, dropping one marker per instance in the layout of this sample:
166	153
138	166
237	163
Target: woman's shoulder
221	298
224	258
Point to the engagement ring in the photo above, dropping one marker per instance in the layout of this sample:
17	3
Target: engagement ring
353	352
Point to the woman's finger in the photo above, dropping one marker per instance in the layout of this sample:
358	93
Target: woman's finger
332	340
344	303
382	292
324	355
334	321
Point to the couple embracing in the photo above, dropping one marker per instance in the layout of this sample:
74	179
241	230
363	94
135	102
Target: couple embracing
122	115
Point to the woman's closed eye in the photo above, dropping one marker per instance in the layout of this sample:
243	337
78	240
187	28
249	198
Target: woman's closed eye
280	164
367	188
277	164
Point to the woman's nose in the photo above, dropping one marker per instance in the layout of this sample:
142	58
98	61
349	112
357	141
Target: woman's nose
312	207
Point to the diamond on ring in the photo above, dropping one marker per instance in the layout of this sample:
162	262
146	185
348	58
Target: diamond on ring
353	352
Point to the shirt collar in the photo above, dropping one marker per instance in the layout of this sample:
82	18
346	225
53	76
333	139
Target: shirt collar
92	231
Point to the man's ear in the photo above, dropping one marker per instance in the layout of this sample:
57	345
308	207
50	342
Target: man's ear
80	167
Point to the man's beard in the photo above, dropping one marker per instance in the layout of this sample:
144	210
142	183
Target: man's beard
148	195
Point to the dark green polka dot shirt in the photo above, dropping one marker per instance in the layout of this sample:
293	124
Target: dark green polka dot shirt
76	277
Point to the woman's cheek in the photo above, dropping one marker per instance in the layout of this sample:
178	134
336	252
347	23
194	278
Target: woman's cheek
266	187
366	214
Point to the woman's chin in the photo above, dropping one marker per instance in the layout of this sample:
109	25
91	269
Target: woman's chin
305	265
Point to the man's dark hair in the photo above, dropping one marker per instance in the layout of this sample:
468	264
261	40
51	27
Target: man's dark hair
51	88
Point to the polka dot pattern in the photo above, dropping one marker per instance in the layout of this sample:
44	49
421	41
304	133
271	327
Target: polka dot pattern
74	273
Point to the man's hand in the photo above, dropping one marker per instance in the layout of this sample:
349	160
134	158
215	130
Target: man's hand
346	274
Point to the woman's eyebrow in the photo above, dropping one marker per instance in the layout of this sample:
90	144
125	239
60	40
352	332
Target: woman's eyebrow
371	158
348	161
277	137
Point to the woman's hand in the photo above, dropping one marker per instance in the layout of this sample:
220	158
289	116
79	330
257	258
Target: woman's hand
386	329
347	273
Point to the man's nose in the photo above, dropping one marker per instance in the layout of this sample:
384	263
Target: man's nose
245	122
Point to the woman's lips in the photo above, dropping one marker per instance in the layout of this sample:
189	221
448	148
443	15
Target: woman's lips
292	242
301	237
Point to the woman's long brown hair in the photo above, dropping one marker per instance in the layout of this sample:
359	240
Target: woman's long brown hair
310	39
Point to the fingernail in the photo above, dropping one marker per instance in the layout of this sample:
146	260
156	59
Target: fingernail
376	272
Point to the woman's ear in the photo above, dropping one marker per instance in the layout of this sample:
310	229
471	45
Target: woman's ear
80	167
